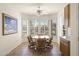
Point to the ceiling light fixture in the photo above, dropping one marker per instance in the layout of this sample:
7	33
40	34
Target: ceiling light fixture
39	11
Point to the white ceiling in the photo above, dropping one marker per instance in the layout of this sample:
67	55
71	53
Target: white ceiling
31	8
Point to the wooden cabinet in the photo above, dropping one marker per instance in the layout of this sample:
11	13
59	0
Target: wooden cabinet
67	15
65	47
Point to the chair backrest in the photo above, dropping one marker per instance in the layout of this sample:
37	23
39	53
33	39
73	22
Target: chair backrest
29	39
50	41
41	43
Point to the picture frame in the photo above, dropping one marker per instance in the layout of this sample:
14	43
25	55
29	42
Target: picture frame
9	24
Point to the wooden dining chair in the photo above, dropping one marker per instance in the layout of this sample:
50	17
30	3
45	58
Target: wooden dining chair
31	43
49	43
41	43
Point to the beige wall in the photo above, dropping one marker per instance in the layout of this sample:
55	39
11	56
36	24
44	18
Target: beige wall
78	29
74	29
9	42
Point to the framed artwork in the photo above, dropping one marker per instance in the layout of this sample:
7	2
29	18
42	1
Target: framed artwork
9	24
